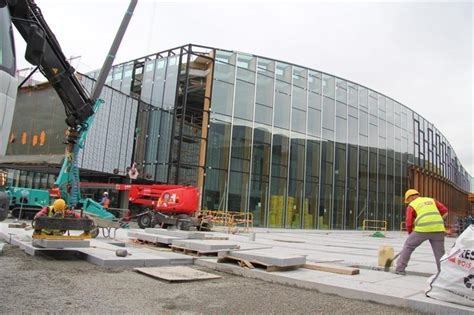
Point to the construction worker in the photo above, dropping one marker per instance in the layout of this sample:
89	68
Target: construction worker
424	221
105	201
57	210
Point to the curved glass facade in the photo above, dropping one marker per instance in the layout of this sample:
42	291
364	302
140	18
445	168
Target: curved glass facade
305	149
297	147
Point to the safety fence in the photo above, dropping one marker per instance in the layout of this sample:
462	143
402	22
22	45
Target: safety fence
374	225
230	220
403	226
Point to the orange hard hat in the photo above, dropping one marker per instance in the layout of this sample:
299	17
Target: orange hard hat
409	193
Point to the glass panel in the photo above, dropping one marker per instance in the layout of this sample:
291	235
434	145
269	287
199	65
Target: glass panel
341	110
339	193
244	95
363	97
363	186
296	181
147	84
298	120
279	178
117	77
341	130
239	167
352	95
314	82
224	67
171	82
310	208
341	91
314	122
265	89
314	100
299	98
216	186
159	83
260	174
363	123
222	98
353	130
326	202
265	92
328	86
127	78
283	72
263	114
352	171
282	104
373	103
328	113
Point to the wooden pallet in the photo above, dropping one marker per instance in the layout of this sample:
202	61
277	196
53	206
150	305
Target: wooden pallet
156	244
332	268
192	252
251	264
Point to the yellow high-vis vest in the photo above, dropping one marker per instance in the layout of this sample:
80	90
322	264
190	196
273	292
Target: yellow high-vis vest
428	218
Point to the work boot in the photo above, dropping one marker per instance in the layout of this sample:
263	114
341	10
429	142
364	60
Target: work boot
400	272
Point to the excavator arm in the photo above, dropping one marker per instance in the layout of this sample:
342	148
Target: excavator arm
44	51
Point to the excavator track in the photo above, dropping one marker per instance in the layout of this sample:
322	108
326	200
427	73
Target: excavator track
26	212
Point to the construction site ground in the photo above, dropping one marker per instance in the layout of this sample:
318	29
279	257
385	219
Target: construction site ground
62	283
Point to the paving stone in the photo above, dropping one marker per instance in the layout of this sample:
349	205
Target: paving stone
107	258
45	243
177	274
269	257
205	245
155	238
4	236
177	233
34	251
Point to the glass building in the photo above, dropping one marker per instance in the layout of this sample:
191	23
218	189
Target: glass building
297	147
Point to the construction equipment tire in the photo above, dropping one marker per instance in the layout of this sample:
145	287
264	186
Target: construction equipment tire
144	220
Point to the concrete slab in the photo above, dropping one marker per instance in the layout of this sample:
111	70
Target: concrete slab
205	245
107	258
177	233
44	243
177	274
425	304
4	236
269	257
354	289
153	238
34	251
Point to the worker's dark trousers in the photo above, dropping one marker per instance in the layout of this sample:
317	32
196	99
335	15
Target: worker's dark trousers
414	240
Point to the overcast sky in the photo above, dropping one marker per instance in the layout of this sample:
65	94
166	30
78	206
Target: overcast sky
420	54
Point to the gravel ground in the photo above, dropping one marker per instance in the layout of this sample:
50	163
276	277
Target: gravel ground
44	284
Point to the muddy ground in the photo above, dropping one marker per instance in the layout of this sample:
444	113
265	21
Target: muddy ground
66	285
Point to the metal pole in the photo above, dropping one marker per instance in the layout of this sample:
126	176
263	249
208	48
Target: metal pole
104	72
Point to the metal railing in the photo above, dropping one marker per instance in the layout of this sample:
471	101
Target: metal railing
230	220
374	225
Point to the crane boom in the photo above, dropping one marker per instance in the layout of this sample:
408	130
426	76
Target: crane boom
44	51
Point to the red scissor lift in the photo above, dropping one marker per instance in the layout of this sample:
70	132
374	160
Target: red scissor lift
166	205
